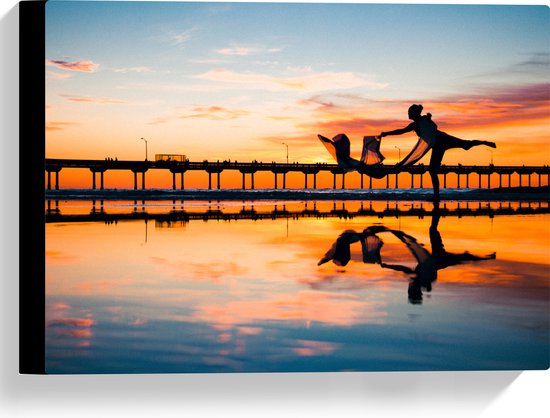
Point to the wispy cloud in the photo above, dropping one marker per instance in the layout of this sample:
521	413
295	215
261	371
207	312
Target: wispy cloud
82	66
141	70
239	51
182	38
536	62
202	112
306	80
215	61
535	66
244	51
52	75
159	120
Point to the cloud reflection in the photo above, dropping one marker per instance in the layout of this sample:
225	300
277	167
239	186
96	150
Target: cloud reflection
314	348
78	329
302	307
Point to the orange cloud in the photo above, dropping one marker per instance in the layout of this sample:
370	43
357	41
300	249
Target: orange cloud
507	113
215	113
99	100
82	66
504	106
58	126
496	107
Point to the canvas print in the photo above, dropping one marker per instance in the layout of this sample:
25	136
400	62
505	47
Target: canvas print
295	187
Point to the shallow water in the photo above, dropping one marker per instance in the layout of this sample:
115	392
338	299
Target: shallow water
174	287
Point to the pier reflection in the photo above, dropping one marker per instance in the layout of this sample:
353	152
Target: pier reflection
423	274
168	214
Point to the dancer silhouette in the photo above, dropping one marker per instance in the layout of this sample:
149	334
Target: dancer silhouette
431	138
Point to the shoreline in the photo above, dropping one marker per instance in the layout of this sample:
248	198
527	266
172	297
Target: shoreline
497	194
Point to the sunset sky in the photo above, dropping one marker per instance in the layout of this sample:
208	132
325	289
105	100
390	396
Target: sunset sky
237	80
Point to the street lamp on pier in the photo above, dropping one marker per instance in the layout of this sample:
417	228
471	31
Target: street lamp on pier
398	153
145	148
491	156
286	152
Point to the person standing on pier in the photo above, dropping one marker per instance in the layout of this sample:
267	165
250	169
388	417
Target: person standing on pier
429	137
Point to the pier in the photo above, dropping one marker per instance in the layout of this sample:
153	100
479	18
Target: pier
462	173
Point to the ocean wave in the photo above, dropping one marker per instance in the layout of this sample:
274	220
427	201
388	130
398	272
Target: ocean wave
523	193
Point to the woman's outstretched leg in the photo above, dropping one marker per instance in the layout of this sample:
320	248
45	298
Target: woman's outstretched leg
476	142
450	141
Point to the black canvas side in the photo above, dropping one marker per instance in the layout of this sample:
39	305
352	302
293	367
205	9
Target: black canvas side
31	187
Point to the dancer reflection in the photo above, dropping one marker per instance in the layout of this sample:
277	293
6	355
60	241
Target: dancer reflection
428	264
371	244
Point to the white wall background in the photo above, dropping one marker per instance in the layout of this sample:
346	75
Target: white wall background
442	394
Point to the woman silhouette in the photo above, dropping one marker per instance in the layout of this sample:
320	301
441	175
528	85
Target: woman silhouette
431	138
